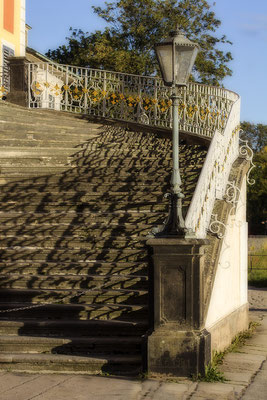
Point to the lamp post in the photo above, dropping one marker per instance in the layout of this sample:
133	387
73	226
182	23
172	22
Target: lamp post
176	56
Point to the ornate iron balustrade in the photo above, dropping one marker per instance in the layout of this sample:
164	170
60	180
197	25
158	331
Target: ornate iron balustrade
203	110
140	99
4	82
213	180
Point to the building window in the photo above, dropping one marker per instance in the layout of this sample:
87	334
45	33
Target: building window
9	15
7	52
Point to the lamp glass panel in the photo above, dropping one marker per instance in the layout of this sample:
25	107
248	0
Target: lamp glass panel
184	60
164	54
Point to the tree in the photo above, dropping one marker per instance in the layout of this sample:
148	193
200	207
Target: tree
256	135
134	26
257	195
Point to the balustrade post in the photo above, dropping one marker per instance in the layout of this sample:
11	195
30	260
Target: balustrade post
18	81
105	94
179	345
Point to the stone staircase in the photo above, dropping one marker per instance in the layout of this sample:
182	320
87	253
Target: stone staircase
78	200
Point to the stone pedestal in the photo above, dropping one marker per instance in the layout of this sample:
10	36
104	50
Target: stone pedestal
178	345
179	353
18	81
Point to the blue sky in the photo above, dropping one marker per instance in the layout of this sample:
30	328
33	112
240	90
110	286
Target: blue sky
243	21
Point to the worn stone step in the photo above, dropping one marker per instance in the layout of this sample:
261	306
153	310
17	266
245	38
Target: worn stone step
29	172
90	206
91	172
81	197
63	255
60	188
20	311
114	345
103	158
76	217
75	296
81	141
47	124
59	161
77	268
12	218
72	328
93	364
73	282
28	153
84	231
65	177
93	242
62	143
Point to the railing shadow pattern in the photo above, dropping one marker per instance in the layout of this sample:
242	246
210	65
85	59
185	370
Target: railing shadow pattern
75	242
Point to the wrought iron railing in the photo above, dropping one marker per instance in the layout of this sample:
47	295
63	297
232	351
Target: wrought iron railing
4	82
214	177
140	99
203	110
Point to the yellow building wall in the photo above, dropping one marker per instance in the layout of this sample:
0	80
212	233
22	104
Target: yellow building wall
16	40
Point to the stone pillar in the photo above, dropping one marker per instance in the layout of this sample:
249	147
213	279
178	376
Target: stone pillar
18	81
178	345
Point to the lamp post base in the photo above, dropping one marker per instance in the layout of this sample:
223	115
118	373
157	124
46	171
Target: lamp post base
175	225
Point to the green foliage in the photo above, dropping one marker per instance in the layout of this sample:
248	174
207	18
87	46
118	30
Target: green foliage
255	134
212	374
258	277
134	26
257	193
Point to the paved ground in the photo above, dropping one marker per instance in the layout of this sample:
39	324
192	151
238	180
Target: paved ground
246	372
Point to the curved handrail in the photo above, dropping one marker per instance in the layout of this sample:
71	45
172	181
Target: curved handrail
213	179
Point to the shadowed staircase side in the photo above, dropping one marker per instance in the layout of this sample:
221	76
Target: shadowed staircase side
78	201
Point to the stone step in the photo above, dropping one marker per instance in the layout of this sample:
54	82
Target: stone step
81	197
92	170
73	218
77	268
75	296
73	282
58	161
81	152
47	124
40	157
70	346
28	153
93	242
82	187
72	328
75	176
92	206
82	141
20	311
29	172
62	142
63	255
85	232
93	364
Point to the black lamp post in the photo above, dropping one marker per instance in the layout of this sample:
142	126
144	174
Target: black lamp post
176	56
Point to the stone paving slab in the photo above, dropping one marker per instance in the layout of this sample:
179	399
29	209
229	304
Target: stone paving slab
92	388
30	388
258	389
242	362
212	391
10	381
